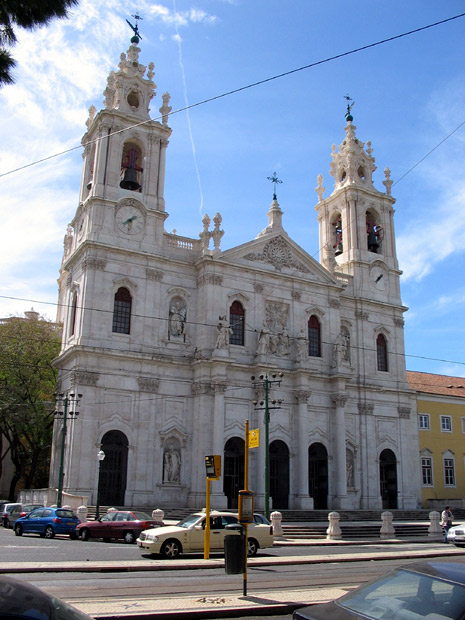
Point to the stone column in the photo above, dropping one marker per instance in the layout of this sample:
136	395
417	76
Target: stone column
339	441
303	501
161	175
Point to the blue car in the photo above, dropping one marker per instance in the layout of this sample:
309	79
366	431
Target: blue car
47	522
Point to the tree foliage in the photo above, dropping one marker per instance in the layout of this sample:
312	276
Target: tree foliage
27	14
27	385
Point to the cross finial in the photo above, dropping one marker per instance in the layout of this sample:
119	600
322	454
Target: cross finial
135	29
274	179
349	116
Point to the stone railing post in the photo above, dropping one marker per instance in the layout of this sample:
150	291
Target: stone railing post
276	522
82	513
435	529
334	531
387	529
158	515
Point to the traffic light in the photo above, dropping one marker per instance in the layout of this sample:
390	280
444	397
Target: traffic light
213	466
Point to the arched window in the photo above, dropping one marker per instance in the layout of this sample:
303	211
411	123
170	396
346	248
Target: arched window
382	353
122	311
374	233
314	337
237	322
72	315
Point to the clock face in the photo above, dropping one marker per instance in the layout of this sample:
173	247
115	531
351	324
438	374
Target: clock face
378	278
130	220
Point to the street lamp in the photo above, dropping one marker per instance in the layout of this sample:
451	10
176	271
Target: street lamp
100	456
264	383
65	409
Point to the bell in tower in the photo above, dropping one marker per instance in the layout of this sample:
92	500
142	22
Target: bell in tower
131	168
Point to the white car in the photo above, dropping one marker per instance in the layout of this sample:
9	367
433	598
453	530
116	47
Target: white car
188	535
456	535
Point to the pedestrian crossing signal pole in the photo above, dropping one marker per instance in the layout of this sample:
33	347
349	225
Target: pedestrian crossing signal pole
245	501
213	472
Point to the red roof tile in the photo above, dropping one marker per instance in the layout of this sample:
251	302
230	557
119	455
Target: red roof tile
436	384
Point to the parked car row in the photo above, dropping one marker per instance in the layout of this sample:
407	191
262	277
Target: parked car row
152	536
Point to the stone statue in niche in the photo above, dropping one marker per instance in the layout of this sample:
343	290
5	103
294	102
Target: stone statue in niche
350	469
341	349
283	343
224	333
263	340
171	465
177	319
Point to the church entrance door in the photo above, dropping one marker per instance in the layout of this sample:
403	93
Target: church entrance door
279	475
113	469
388	478
318	475
233	471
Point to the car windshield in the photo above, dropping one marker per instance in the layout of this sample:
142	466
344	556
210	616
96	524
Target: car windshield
189	521
407	595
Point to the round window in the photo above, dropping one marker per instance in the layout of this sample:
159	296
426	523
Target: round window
133	99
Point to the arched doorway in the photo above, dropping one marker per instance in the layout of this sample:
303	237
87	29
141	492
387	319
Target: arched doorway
388	478
279	475
113	469
233	471
318	475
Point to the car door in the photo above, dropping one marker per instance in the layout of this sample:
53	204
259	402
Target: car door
119	524
31	523
104	527
196	536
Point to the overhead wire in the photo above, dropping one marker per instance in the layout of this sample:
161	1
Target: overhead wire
243	88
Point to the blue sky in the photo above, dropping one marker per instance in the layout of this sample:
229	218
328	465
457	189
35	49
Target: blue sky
409	96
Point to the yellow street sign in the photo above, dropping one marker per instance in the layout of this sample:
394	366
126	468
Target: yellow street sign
254	436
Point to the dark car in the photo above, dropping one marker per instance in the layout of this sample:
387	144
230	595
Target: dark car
47	522
21	510
124	524
19	599
434	590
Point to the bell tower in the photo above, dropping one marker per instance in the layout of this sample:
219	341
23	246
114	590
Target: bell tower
356	221
124	155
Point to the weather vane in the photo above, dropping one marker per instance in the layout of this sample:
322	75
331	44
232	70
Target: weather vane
349	116
274	179
136	37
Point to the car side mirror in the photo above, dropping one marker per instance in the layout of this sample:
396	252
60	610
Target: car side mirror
200	527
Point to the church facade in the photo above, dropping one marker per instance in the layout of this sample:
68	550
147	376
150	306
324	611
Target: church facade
172	342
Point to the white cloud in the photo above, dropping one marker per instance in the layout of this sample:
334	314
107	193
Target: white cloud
182	18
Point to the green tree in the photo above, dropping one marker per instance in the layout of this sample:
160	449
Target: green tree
27	385
27	14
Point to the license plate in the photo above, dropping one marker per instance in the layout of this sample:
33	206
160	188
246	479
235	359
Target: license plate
70	523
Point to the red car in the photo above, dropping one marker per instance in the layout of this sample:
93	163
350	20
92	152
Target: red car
125	524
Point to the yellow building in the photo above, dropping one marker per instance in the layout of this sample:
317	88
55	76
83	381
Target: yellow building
441	430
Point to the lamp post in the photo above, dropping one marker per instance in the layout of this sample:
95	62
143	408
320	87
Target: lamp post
100	456
264	382
65	409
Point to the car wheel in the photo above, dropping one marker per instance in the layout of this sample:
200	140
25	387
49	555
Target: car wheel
49	533
252	547
73	535
129	537
18	530
85	534
171	549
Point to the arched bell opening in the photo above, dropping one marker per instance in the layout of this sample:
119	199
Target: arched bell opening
131	168
374	233
336	229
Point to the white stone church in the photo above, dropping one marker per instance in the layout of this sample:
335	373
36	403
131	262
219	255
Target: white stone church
162	334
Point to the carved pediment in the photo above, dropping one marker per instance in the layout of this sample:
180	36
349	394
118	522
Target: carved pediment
278	253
